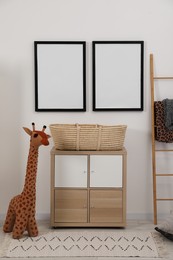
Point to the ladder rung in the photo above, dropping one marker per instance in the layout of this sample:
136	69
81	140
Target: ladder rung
164	174
164	199
162	77
164	150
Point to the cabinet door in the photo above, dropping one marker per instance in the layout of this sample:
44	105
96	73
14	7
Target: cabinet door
70	171
70	205
106	206
106	171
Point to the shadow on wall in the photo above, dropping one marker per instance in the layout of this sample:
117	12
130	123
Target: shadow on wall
10	149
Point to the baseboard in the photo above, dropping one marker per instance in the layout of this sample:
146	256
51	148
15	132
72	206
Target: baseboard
139	216
43	216
130	216
2	217
146	217
39	216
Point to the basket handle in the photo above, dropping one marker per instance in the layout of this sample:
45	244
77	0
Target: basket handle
99	137
77	140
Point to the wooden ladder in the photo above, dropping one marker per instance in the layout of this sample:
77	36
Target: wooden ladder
154	150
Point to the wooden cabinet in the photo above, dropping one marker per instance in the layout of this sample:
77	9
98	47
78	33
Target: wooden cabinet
88	188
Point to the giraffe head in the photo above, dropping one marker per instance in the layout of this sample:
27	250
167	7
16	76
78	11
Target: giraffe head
37	137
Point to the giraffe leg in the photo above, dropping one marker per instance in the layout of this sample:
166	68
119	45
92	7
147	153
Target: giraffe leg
32	227
9	221
19	226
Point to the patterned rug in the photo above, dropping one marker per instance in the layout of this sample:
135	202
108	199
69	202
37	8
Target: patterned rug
87	243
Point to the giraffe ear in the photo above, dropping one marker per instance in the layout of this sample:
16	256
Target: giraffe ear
27	130
48	136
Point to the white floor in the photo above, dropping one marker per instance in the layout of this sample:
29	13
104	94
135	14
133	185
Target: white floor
131	225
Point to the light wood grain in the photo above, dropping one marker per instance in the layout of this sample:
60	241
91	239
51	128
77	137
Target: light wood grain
70	205
105	206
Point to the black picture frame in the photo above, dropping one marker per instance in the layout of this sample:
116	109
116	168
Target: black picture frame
60	76
118	75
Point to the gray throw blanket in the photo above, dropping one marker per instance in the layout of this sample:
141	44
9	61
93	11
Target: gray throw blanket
168	107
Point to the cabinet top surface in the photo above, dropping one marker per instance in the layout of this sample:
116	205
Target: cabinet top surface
65	152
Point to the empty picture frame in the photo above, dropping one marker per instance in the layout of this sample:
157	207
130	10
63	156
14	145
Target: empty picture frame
60	75
117	75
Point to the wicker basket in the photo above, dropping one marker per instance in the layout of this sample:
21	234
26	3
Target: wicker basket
88	137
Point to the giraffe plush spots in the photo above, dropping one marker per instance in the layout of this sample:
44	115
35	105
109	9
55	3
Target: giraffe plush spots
21	211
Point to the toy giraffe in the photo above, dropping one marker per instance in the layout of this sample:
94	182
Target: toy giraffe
21	210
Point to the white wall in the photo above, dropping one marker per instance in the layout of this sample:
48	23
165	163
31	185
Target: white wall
24	21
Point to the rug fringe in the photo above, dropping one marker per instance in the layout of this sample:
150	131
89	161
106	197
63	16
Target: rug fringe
160	244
